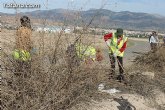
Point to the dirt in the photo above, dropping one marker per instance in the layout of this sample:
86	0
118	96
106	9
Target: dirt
122	102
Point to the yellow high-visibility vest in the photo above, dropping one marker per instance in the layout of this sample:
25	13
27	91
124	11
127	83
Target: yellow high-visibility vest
21	55
115	47
84	51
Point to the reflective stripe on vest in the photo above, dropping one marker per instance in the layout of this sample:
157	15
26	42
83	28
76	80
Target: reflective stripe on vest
115	47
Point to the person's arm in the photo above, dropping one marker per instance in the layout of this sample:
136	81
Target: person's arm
123	47
107	37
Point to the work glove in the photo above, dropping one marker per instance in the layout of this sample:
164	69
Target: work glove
33	50
115	54
108	43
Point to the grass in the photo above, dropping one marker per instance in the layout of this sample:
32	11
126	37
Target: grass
130	43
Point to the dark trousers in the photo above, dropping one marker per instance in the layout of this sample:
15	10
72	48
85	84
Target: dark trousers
153	46
120	64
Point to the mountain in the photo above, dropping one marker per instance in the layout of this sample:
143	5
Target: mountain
103	18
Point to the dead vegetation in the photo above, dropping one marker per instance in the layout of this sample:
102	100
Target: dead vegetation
147	76
153	61
55	86
48	83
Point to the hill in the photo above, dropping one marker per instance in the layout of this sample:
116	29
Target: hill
102	18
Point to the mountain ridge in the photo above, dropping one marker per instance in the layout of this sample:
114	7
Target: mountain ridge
103	18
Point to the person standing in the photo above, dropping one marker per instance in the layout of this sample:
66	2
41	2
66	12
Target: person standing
117	43
23	44
23	35
154	41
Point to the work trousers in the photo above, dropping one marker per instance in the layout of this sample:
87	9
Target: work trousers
120	64
154	46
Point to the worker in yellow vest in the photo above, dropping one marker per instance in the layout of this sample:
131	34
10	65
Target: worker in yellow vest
86	53
117	44
23	40
23	44
78	52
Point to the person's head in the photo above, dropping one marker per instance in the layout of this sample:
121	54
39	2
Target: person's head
153	32
119	32
25	21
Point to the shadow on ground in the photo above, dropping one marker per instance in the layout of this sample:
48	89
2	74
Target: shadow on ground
124	104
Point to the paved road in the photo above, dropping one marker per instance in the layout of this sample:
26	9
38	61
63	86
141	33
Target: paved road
132	52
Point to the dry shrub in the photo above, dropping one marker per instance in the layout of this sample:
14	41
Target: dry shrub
49	82
144	85
151	62
44	84
154	61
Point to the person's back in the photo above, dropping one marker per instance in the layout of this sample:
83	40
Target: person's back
23	40
23	45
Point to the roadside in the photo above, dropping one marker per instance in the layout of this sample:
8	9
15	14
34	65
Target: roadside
140	46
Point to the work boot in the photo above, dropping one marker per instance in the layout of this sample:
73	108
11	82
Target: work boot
120	78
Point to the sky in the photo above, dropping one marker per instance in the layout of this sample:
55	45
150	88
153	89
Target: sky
146	6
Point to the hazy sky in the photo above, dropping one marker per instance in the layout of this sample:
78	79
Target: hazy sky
147	6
